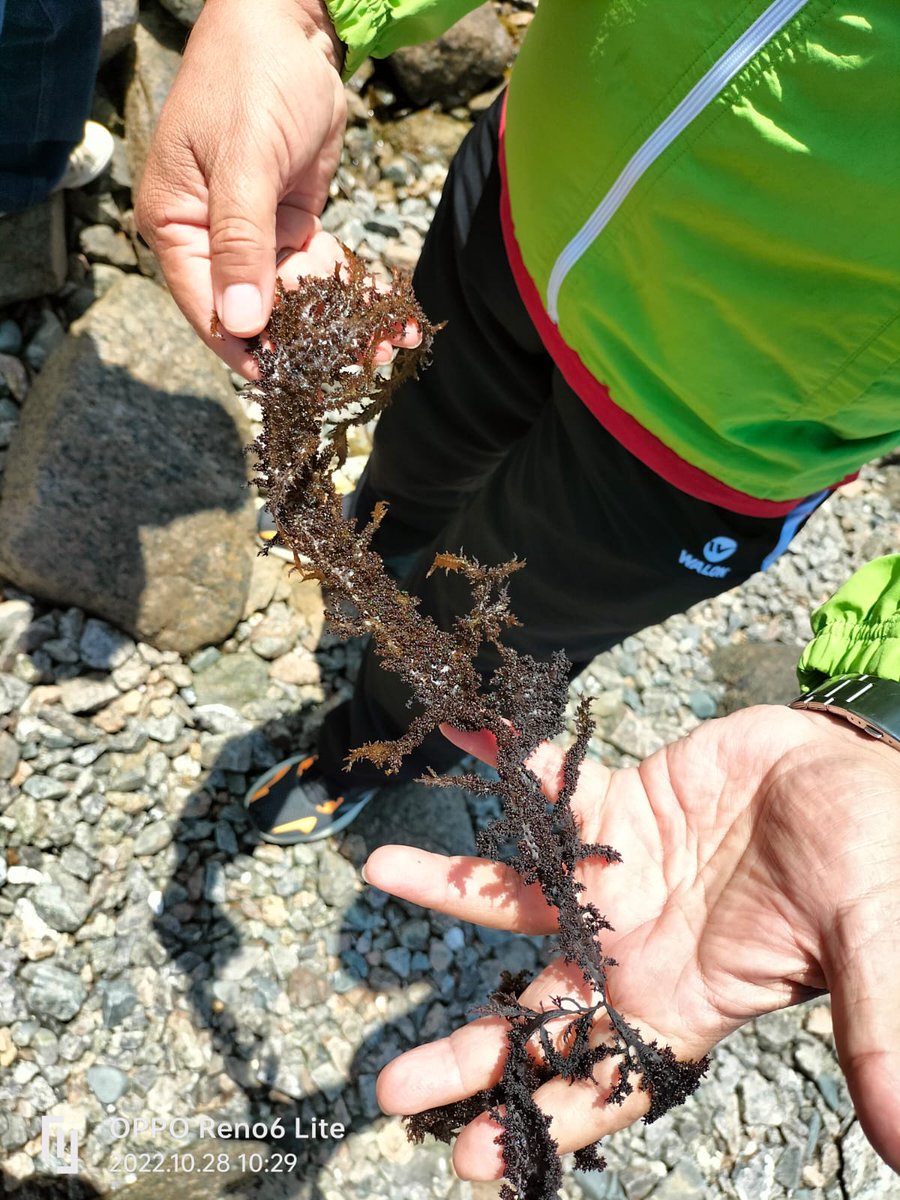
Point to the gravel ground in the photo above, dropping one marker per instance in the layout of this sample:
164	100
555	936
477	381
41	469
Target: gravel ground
157	961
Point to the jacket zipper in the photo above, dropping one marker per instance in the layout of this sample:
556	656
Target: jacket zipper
719	75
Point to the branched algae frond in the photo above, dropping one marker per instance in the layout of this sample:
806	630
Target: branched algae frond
318	377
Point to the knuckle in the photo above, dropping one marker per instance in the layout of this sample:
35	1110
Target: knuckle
236	236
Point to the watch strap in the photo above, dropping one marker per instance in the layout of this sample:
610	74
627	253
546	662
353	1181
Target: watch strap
867	701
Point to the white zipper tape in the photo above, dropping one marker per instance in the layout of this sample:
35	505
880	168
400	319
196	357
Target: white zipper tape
719	75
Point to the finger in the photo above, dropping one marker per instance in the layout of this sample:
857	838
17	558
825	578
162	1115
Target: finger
580	1115
242	244
184	257
546	761
482	745
471	1059
470	889
171	214
863	981
441	1072
581	1111
296	230
409	338
406	339
305	249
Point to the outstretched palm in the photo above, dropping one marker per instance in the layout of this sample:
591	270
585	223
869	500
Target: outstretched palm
761	863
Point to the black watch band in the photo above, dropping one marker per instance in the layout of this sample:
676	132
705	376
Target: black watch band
867	701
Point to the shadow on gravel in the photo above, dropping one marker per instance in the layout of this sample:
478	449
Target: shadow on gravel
301	1085
43	1187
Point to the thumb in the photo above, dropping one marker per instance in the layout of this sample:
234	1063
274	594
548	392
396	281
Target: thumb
242	210
864	983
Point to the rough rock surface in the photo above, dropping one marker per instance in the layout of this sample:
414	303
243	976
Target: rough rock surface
33	261
756	673
158	42
453	68
119	20
125	490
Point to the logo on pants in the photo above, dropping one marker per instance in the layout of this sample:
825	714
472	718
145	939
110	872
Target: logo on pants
716	550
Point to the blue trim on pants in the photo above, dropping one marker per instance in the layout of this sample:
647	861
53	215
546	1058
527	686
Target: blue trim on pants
792	523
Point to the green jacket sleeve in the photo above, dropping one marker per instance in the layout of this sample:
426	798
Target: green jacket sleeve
858	629
379	27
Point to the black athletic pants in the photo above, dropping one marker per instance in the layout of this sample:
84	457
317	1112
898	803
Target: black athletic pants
491	454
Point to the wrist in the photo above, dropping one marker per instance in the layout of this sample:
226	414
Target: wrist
830	742
311	16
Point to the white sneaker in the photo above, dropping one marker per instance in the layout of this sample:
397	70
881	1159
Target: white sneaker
90	157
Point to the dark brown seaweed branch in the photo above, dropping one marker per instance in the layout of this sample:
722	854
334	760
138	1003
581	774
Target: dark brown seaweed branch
317	378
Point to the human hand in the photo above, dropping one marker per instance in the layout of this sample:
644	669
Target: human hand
239	169
761	864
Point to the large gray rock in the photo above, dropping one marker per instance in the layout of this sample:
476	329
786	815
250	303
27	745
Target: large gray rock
233	680
425	136
119	19
158	42
63	902
33	251
124	492
452	69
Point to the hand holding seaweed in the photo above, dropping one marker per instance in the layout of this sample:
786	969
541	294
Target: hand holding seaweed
319	375
725	836
705	939
721	916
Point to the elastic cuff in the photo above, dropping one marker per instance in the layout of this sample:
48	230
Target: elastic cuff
849	647
857	631
359	26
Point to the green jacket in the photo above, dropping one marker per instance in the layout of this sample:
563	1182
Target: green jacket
701	210
701	204
858	629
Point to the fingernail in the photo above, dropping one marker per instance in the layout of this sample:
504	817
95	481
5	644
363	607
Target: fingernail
242	310
363	873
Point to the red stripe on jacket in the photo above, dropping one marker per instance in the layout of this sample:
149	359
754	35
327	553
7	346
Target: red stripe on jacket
639	441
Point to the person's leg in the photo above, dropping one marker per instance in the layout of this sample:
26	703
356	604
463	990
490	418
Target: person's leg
49	51
489	377
491	454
